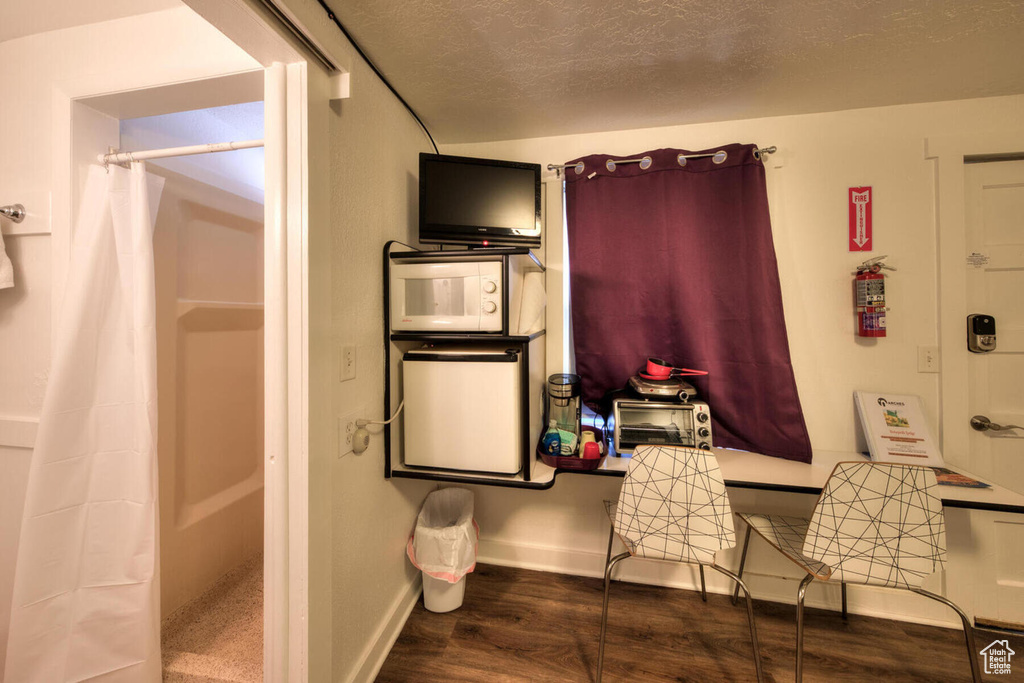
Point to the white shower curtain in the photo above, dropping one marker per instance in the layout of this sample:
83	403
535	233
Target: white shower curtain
86	601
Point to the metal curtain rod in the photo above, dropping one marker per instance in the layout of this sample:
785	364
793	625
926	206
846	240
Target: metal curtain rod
645	162
125	157
15	212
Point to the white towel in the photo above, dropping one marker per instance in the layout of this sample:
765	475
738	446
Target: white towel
6	269
531	312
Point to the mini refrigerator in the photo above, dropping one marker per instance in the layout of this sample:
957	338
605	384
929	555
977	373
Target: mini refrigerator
463	408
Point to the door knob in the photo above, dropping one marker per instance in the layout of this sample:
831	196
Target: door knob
983	424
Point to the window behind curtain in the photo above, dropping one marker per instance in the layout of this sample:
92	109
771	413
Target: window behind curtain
676	261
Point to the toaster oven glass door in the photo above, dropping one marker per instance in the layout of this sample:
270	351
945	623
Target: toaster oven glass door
661	425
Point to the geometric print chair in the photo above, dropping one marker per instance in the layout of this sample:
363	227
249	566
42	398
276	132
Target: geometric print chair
672	506
875	523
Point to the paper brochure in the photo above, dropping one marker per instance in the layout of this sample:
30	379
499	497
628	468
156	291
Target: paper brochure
896	429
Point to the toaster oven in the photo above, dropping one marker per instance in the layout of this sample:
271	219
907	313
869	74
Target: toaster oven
650	423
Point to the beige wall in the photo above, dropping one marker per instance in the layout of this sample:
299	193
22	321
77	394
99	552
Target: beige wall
374	146
39	73
819	157
363	159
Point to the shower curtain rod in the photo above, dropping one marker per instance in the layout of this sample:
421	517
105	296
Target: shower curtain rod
125	157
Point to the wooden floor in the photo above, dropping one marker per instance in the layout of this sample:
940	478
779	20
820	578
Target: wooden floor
520	625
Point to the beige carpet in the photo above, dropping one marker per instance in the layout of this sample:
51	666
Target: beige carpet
218	637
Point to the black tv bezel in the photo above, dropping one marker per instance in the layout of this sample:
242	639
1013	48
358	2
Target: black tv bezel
477	235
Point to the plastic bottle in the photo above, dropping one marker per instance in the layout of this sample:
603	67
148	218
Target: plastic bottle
551	443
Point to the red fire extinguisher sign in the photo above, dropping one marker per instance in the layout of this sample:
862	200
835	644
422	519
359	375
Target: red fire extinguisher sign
860	218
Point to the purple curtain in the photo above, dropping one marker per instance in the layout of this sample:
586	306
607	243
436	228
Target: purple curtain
677	262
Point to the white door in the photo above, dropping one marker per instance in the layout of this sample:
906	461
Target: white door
994	221
994	204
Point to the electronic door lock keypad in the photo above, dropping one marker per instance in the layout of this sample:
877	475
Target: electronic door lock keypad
981	333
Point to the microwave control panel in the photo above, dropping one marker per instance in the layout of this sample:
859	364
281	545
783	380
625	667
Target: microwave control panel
490	295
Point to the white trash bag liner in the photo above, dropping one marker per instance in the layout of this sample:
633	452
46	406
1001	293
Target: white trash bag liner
444	543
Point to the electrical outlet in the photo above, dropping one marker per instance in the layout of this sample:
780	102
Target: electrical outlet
927	358
348	362
346	429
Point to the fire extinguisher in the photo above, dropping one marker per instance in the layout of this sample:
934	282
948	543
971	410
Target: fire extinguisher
870	297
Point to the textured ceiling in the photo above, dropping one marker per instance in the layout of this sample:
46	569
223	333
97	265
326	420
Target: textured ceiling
504	69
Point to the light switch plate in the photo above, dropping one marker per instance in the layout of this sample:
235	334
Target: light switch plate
928	359
348	362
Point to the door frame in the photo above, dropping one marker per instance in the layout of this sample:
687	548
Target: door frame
286	500
286	424
966	578
286	331
948	153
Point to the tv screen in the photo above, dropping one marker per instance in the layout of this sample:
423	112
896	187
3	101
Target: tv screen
479	202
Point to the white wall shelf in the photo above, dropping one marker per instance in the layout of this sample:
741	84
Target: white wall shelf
186	306
18	432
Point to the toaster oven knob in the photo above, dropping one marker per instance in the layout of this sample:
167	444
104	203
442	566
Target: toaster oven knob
704	445
704	432
702	417
490	287
490	307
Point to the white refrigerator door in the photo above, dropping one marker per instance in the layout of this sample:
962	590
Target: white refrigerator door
463	415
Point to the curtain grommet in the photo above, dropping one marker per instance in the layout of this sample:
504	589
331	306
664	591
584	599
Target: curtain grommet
610	165
681	159
720	156
578	168
645	163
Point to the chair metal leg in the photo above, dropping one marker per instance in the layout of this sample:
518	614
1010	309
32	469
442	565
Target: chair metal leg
801	591
843	585
604	609
611	539
743	559
972	651
703	587
750	618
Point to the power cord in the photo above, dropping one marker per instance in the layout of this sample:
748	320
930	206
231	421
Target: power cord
333	17
361	438
363	423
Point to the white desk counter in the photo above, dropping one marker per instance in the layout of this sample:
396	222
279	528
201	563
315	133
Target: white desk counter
742	469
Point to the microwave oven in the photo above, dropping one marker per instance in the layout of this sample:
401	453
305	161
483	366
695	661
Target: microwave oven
464	292
650	423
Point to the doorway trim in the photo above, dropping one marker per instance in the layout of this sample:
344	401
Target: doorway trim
285	649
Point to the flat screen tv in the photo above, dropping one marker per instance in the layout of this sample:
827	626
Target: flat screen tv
479	202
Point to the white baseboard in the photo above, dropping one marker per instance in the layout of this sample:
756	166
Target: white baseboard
899	605
380	646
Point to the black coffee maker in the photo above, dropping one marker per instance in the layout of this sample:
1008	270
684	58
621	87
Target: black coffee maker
564	402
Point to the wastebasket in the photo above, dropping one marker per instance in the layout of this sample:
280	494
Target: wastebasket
443	547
